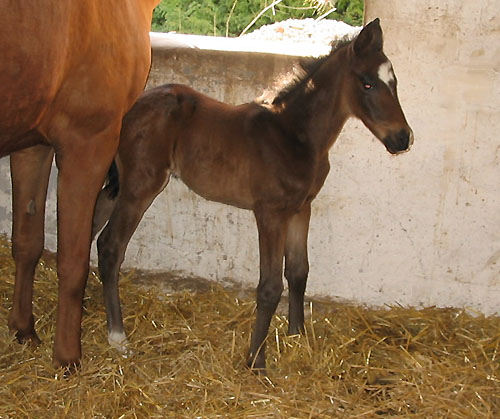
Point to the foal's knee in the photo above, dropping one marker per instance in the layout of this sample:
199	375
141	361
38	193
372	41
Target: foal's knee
269	294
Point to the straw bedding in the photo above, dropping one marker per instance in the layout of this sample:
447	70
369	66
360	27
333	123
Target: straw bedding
187	353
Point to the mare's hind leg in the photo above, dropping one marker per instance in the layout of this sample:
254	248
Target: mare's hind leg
297	268
136	195
272	231
30	170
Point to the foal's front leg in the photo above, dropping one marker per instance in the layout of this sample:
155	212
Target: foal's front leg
297	268
30	170
272	231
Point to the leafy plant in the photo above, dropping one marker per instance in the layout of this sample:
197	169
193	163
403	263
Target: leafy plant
349	11
231	17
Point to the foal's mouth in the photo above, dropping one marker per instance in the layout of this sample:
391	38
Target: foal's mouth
399	143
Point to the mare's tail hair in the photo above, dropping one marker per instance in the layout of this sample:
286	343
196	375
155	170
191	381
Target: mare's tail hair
106	200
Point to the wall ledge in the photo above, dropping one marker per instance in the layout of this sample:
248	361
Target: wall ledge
216	43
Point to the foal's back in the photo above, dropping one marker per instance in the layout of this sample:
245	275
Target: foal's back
238	155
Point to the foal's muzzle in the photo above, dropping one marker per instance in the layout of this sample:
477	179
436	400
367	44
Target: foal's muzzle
400	142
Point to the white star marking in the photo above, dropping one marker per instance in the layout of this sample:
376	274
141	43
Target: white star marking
385	72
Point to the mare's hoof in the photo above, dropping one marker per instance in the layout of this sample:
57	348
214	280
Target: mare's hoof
68	368
26	333
70	363
30	338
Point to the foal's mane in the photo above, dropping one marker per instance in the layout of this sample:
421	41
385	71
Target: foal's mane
305	78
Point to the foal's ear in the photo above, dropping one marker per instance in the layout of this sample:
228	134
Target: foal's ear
369	39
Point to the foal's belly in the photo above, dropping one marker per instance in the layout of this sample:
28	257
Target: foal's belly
223	191
218	183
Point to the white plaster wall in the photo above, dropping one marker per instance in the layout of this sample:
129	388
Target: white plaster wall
418	229
447	55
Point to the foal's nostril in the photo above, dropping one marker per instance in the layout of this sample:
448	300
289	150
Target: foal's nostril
410	143
399	142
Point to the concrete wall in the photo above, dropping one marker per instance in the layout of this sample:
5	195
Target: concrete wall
418	229
447	55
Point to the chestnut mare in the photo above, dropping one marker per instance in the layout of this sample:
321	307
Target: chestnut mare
271	160
69	72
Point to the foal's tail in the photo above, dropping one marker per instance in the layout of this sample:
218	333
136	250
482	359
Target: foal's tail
106	200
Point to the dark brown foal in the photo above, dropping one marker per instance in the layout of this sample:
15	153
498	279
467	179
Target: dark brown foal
270	160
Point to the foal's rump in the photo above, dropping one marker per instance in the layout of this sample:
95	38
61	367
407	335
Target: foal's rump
144	145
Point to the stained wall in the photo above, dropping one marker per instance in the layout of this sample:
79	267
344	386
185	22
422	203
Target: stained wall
422	228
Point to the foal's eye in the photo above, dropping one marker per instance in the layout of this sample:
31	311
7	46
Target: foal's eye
366	82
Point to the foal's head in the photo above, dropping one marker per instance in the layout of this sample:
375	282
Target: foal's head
372	90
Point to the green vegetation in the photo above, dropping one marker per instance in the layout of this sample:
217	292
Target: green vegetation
349	11
231	17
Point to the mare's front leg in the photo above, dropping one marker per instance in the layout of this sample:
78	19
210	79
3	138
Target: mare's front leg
272	231
30	170
83	159
139	185
297	268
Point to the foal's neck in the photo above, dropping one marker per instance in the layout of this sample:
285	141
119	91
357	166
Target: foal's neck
318	116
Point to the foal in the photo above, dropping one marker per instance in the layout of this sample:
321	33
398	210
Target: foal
272	161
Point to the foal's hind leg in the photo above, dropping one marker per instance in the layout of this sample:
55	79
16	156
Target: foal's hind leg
136	195
272	230
297	268
103	209
106	201
30	170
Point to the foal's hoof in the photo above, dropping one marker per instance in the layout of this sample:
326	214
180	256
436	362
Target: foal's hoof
261	372
294	330
257	365
119	342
